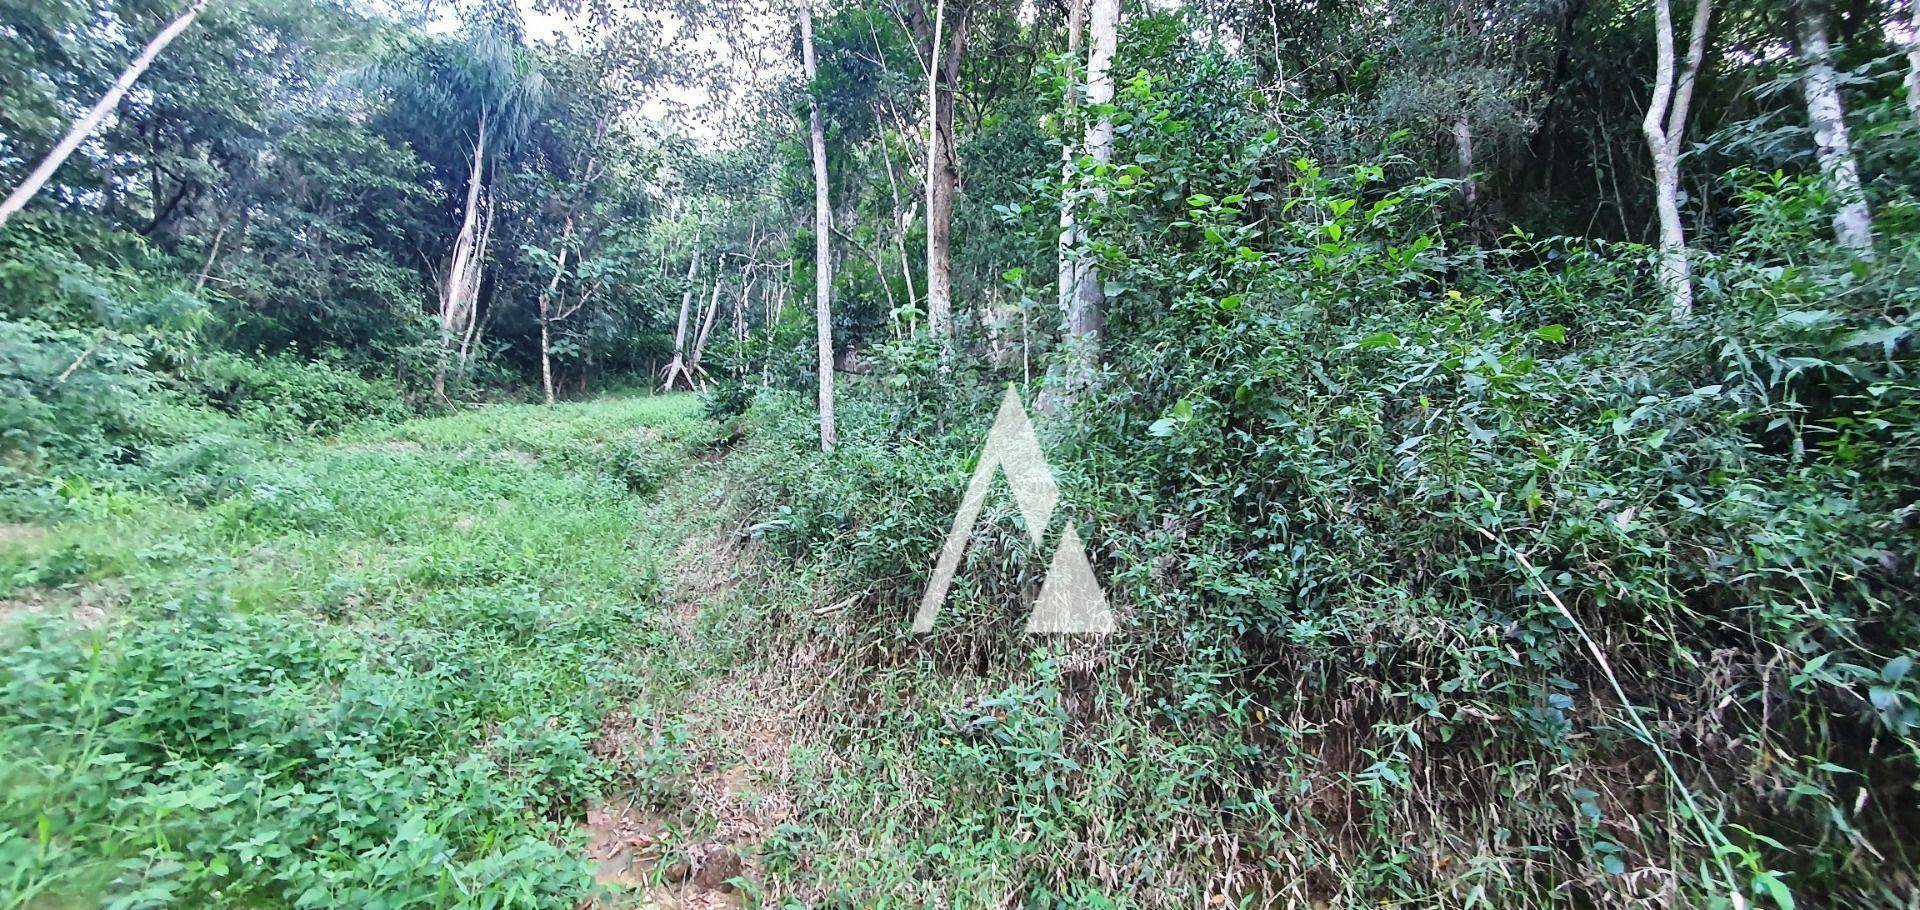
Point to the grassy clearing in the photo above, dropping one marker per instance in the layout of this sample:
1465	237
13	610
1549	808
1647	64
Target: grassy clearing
371	676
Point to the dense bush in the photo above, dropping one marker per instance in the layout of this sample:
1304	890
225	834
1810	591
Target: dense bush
248	757
289	397
1393	523
371	675
107	373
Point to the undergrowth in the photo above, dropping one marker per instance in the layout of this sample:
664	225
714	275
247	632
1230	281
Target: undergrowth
362	673
1391	527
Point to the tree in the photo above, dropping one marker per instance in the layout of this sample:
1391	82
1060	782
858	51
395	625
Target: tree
1665	127
1086	309
1069	279
822	231
482	91
677	368
1463	75
571	173
90	121
1852	221
946	45
549	311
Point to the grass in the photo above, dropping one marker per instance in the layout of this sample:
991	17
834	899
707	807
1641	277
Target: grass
369	675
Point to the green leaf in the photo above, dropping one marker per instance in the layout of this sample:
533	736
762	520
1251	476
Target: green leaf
1887	337
1810	670
1809	318
1775	889
1379	340
1554	333
1896	669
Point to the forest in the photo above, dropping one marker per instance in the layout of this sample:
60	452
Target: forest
621	453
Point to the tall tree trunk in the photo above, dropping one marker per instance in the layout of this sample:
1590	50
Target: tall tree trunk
944	53
740	306
903	221
1852	222
1665	127
706	330
546	310
90	121
1463	163
677	367
454	294
546	361
476	275
213	254
1068	283
822	236
1086	314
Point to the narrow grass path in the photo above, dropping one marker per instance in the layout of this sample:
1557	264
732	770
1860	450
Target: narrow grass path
465	661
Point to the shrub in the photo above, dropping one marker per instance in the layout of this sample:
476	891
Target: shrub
727	398
1368	503
286	397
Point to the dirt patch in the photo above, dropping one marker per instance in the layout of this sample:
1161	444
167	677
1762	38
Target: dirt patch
628	848
743	728
520	457
705	570
19	535
625	845
396	446
739	730
87	609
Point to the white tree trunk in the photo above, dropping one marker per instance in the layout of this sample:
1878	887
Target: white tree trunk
903	222
706	330
90	121
822	231
1068	282
1463	162
546	361
453	294
677	368
1852	222
740	306
546	310
476	272
1665	127
1086	314
213	255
